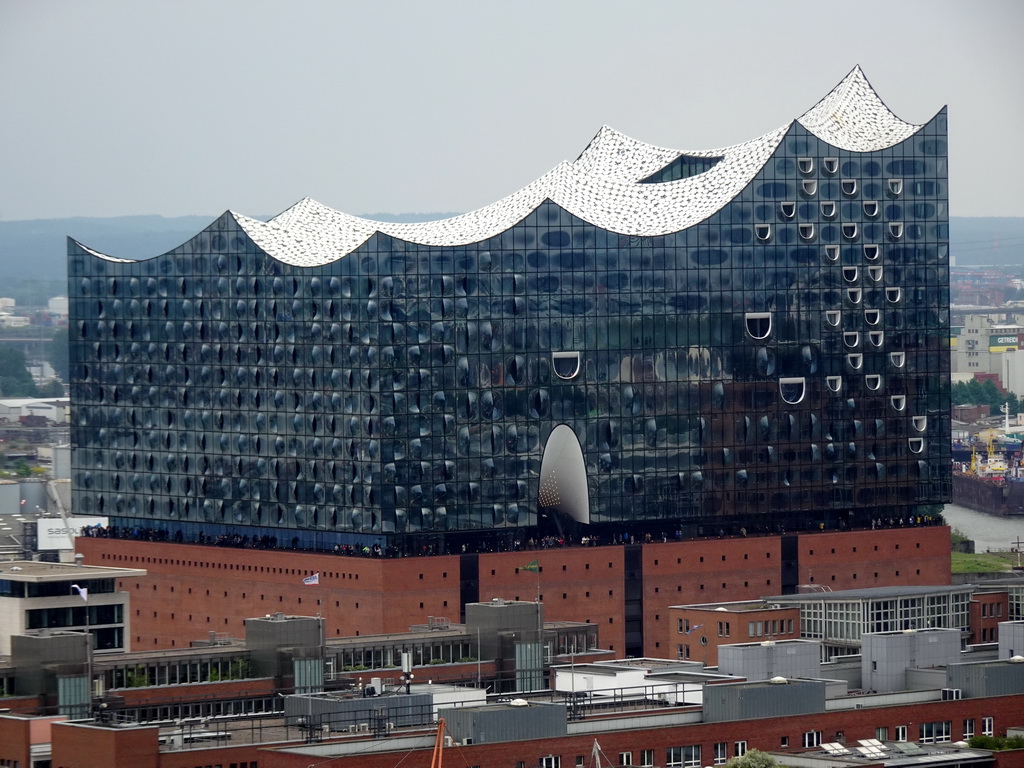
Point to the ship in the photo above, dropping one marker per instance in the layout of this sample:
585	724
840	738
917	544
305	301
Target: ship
992	483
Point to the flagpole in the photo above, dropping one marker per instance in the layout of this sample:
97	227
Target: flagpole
314	581
83	592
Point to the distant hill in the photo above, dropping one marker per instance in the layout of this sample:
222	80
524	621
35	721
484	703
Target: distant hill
33	254
986	240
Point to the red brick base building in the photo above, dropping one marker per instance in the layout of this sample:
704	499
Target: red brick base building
191	590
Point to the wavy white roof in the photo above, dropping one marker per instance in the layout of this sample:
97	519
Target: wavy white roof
852	117
602	186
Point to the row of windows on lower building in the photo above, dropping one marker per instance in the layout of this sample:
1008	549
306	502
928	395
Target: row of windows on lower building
690	756
754	628
675	757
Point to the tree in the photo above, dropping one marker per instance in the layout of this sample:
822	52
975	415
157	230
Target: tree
15	380
754	758
59	354
51	388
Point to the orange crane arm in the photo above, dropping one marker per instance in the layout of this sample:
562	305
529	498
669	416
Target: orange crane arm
435	760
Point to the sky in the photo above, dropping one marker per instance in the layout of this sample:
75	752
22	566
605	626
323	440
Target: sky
193	107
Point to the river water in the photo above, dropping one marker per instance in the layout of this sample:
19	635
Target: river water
988	531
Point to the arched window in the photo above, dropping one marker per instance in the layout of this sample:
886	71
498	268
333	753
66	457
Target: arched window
759	324
566	364
792	390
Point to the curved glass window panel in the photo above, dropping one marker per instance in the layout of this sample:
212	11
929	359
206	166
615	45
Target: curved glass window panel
849	187
763	232
876	337
793	389
916	444
854	295
850	274
831	165
788	209
765	361
875	273
832	252
855	360
893	295
683	167
872	316
898	359
810	187
895	229
851	338
850	231
805	164
873	381
833	317
566	364
828	209
871	252
806	231
871	208
920	423
834	383
898	402
759	324
896	186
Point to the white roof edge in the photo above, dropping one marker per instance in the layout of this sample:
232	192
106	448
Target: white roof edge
602	187
853	117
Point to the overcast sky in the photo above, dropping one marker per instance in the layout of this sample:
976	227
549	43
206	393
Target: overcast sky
119	107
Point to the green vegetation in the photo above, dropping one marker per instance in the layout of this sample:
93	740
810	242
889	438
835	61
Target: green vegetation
754	758
15	380
976	393
136	678
60	353
996	743
241	668
987	562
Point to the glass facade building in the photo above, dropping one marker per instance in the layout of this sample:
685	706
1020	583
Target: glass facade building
643	340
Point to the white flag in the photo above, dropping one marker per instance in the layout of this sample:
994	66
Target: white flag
83	592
